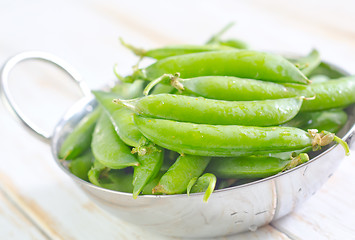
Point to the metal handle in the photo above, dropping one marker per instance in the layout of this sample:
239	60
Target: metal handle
8	99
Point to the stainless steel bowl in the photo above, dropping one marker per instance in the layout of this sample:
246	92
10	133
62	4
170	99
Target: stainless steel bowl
229	211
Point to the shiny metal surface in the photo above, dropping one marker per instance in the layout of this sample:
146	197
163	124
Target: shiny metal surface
228	211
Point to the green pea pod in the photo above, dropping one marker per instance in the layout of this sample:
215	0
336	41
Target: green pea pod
209	111
169	159
176	179
81	165
228	88
78	141
243	63
216	38
251	167
163	88
118	180
121	118
105	177
234	43
331	120
229	140
173	50
308	63
327	70
338	93
148	169
206	183
127	90
96	171
148	189
108	148
319	79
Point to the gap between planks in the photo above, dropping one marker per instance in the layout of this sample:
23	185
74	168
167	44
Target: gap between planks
23	213
11	194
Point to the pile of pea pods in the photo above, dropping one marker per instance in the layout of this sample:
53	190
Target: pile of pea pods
207	117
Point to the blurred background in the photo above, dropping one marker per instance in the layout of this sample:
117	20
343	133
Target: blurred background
85	33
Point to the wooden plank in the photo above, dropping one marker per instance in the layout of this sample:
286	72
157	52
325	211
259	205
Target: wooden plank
13	224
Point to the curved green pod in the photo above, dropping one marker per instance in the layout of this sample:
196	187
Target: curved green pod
174	50
308	63
337	93
229	140
129	90
81	165
209	111
234	43
243	63
121	118
148	169
251	167
108	148
178	176
79	140
233	88
206	183
328	70
328	120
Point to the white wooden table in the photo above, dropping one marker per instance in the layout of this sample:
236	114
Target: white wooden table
38	201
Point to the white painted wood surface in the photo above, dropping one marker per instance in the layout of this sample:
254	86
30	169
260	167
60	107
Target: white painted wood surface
38	201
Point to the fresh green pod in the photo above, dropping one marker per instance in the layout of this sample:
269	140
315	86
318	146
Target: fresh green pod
162	88
148	169
233	88
252	166
108	148
118	180
148	189
96	171
125	127
169	159
337	93
121	118
243	63
308	63
209	111
81	165
173	50
185	168
330	120
229	140
234	43
327	70
319	79
78	141
206	183
129	90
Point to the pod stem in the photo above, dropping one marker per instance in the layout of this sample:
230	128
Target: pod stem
216	37
162	78
137	51
295	161
190	185
341	142
158	189
324	138
144	147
